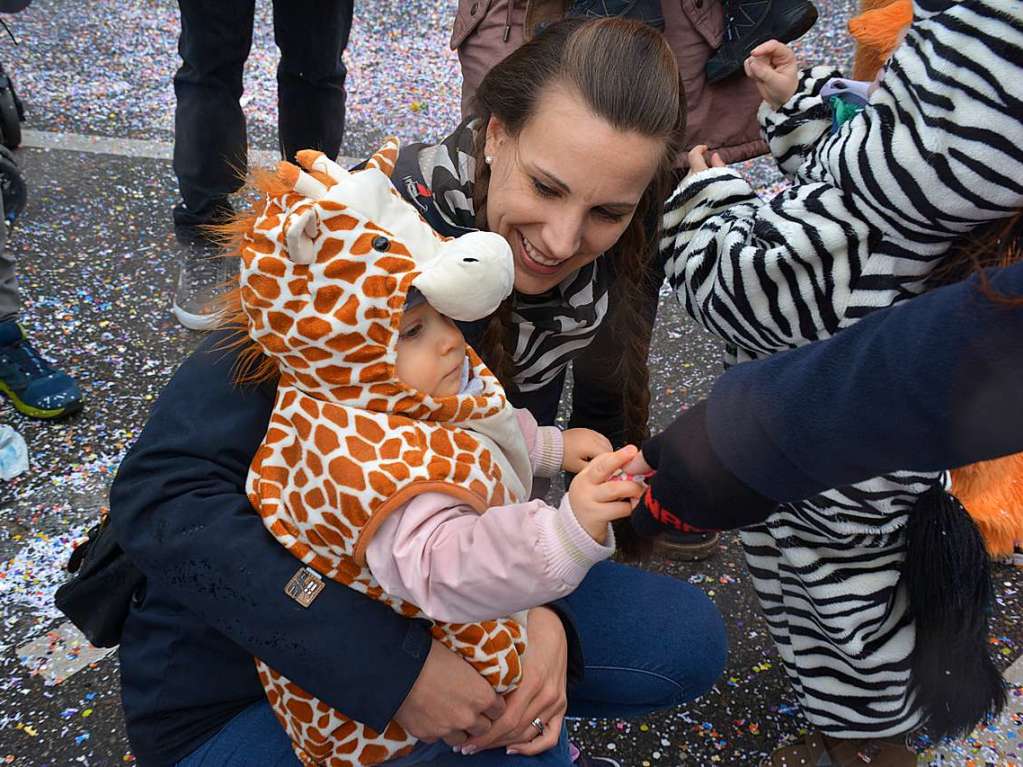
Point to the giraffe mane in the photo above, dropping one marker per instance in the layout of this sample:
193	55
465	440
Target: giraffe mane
252	365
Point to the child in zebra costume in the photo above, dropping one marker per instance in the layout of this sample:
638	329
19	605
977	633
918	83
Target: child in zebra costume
867	589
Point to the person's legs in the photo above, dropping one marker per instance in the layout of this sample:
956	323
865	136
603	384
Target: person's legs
311	35
253	737
210	145
649	642
10	299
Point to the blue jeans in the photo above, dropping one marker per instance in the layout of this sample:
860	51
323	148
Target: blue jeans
649	642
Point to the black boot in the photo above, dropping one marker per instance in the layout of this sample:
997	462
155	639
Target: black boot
748	23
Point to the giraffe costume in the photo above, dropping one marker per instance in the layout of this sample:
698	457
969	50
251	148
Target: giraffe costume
326	267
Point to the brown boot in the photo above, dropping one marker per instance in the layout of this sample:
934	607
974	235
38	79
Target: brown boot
818	750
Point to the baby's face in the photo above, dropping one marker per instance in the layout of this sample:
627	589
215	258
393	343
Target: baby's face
431	352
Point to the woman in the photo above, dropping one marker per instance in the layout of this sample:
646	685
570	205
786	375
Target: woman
570	157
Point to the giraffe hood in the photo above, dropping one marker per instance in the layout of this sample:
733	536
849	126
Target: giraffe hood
325	272
327	264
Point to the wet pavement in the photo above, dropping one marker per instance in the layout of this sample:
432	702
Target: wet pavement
97	270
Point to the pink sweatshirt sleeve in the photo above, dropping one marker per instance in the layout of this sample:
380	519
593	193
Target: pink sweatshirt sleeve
546	445
460	566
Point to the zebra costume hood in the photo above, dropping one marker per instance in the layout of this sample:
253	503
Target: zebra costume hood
550	329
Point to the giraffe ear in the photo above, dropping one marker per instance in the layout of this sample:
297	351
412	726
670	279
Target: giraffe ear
300	232
385	157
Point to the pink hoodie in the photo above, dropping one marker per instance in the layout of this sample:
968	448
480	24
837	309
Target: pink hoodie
460	566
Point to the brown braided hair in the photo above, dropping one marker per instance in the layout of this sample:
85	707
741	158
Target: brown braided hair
625	72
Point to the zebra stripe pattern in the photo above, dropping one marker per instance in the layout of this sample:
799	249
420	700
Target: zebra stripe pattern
872	210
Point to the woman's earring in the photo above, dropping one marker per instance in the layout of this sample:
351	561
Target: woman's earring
488	160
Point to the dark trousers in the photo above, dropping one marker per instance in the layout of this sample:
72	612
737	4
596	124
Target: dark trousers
210	143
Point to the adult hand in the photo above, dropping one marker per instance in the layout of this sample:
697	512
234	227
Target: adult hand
581	447
772	66
597	499
540	695
698	160
449	701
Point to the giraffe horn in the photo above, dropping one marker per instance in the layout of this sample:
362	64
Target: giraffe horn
324	165
301	231
385	157
307	186
297	179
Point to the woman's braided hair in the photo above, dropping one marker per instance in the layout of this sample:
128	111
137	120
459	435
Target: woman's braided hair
626	73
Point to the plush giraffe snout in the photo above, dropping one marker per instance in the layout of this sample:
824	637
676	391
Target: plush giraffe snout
469	277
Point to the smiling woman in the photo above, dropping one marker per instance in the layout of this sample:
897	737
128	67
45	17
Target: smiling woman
565	188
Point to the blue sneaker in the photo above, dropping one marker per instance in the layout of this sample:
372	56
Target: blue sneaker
30	382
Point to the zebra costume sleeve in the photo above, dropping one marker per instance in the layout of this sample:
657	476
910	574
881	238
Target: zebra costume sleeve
938	152
799	125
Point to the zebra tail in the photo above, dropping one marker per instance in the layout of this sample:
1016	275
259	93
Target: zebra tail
948	580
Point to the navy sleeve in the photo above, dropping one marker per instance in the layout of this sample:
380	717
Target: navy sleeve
930	384
692	491
180	512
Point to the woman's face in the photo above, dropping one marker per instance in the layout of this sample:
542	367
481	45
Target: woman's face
563	191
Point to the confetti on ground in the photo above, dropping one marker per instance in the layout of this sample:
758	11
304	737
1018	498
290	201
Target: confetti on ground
59	654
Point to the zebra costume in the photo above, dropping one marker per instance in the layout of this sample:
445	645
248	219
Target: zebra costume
873	209
549	329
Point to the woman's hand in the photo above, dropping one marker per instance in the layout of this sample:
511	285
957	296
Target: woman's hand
698	160
581	447
449	701
597	499
540	695
772	66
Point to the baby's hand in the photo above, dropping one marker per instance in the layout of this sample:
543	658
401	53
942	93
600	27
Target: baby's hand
597	499
772	66
581	447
